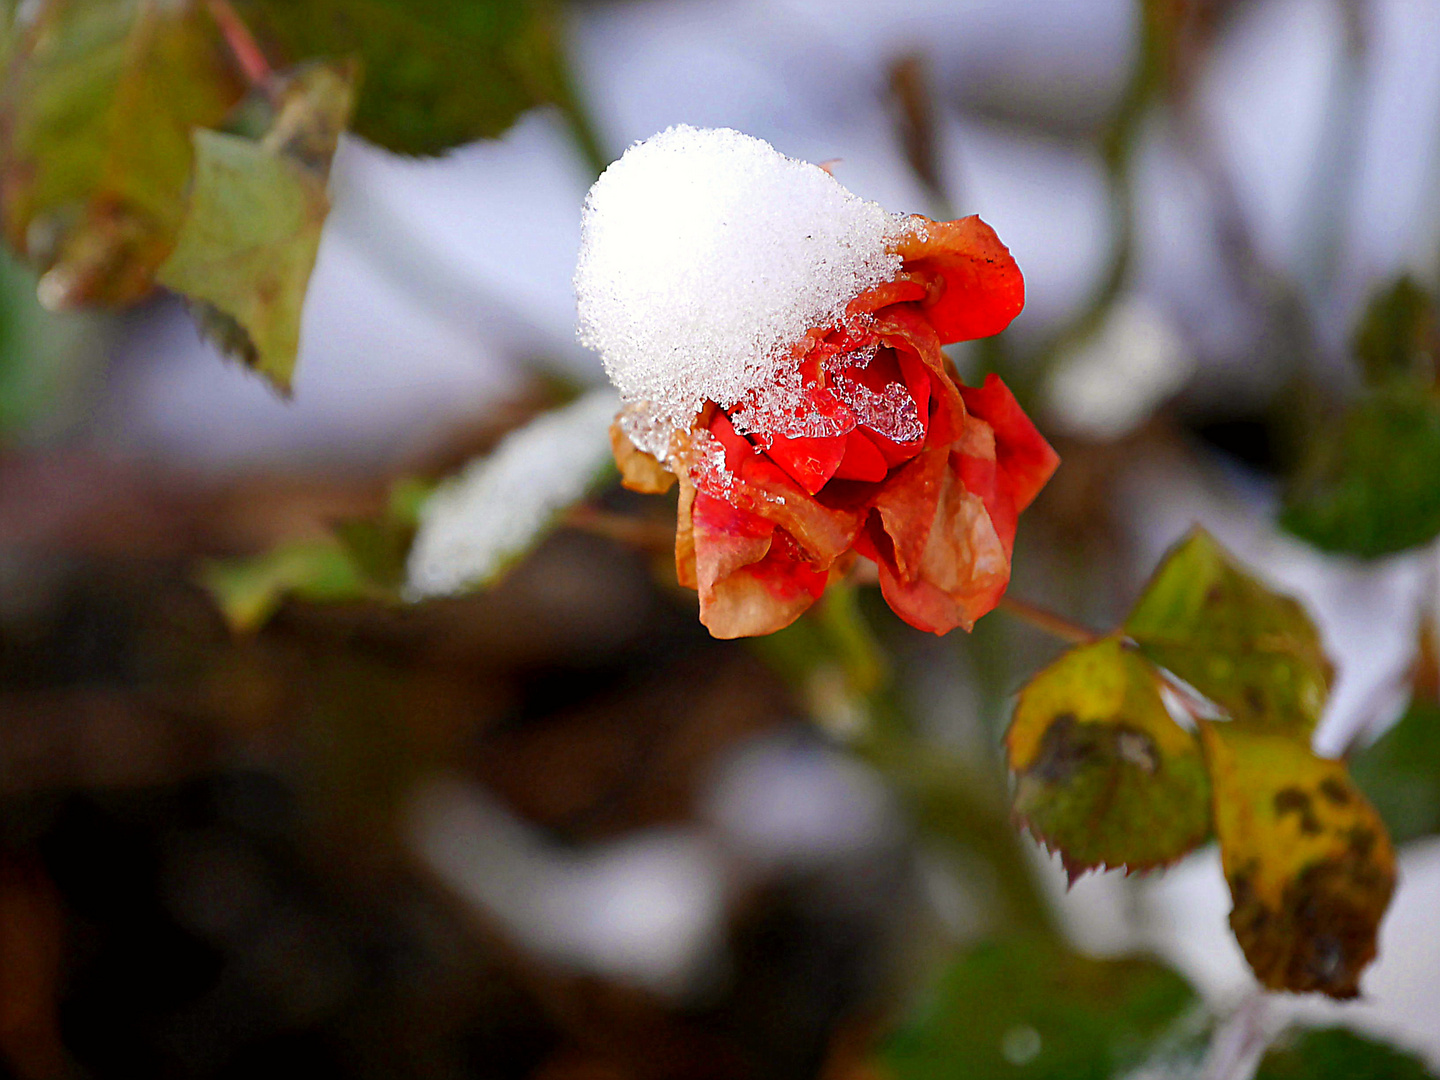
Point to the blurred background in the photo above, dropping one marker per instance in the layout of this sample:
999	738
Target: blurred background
552	829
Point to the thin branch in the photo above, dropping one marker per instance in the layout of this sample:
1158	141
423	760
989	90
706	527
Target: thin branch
242	44
1047	620
635	532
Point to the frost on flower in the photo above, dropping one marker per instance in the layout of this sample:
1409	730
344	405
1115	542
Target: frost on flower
776	341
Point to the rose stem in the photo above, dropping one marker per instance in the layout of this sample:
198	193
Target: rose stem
242	43
1048	621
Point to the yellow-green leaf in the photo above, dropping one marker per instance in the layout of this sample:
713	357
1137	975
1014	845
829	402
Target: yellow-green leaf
252	227
1309	863
1251	650
96	122
249	590
1102	772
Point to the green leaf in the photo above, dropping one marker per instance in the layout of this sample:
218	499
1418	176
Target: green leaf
46	362
250	590
1023	1008
97	114
1371	488
1103	774
1336	1053
1309	864
1400	773
380	545
1250	650
252	227
480	523
1399	334
364	559
438	73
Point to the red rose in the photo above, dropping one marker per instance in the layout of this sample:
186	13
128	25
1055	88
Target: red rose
900	462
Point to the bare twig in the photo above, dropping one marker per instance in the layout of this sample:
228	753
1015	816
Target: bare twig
242	44
1047	620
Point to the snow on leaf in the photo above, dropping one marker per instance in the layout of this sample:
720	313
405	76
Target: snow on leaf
1103	774
476	525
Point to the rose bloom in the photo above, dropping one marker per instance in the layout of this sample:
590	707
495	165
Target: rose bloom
877	450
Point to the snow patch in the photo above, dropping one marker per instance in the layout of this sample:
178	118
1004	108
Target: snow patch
705	255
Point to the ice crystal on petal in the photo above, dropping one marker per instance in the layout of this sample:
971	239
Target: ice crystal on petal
890	412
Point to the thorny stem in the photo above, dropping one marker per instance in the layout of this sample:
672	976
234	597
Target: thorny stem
242	43
1047	620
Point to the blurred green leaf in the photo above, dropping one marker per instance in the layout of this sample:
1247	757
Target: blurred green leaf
1370	489
1250	650
97	114
1023	1008
1336	1053
363	560
437	73
253	222
379	546
250	590
1103	774
1310	867
1399	334
1400	773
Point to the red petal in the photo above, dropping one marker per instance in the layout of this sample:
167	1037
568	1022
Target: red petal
978	287
862	460
906	504
763	596
983	477
810	461
1022	453
962	572
760	486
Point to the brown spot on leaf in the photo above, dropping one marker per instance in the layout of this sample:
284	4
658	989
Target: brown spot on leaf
1063	749
1254	699
1335	791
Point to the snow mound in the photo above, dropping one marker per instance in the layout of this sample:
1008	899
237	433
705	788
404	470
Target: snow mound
705	254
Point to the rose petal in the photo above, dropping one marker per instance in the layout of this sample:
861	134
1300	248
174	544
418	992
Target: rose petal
962	573
811	462
764	596
978	290
760	486
639	471
1021	451
862	460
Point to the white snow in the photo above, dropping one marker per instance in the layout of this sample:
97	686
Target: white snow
705	254
476	525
